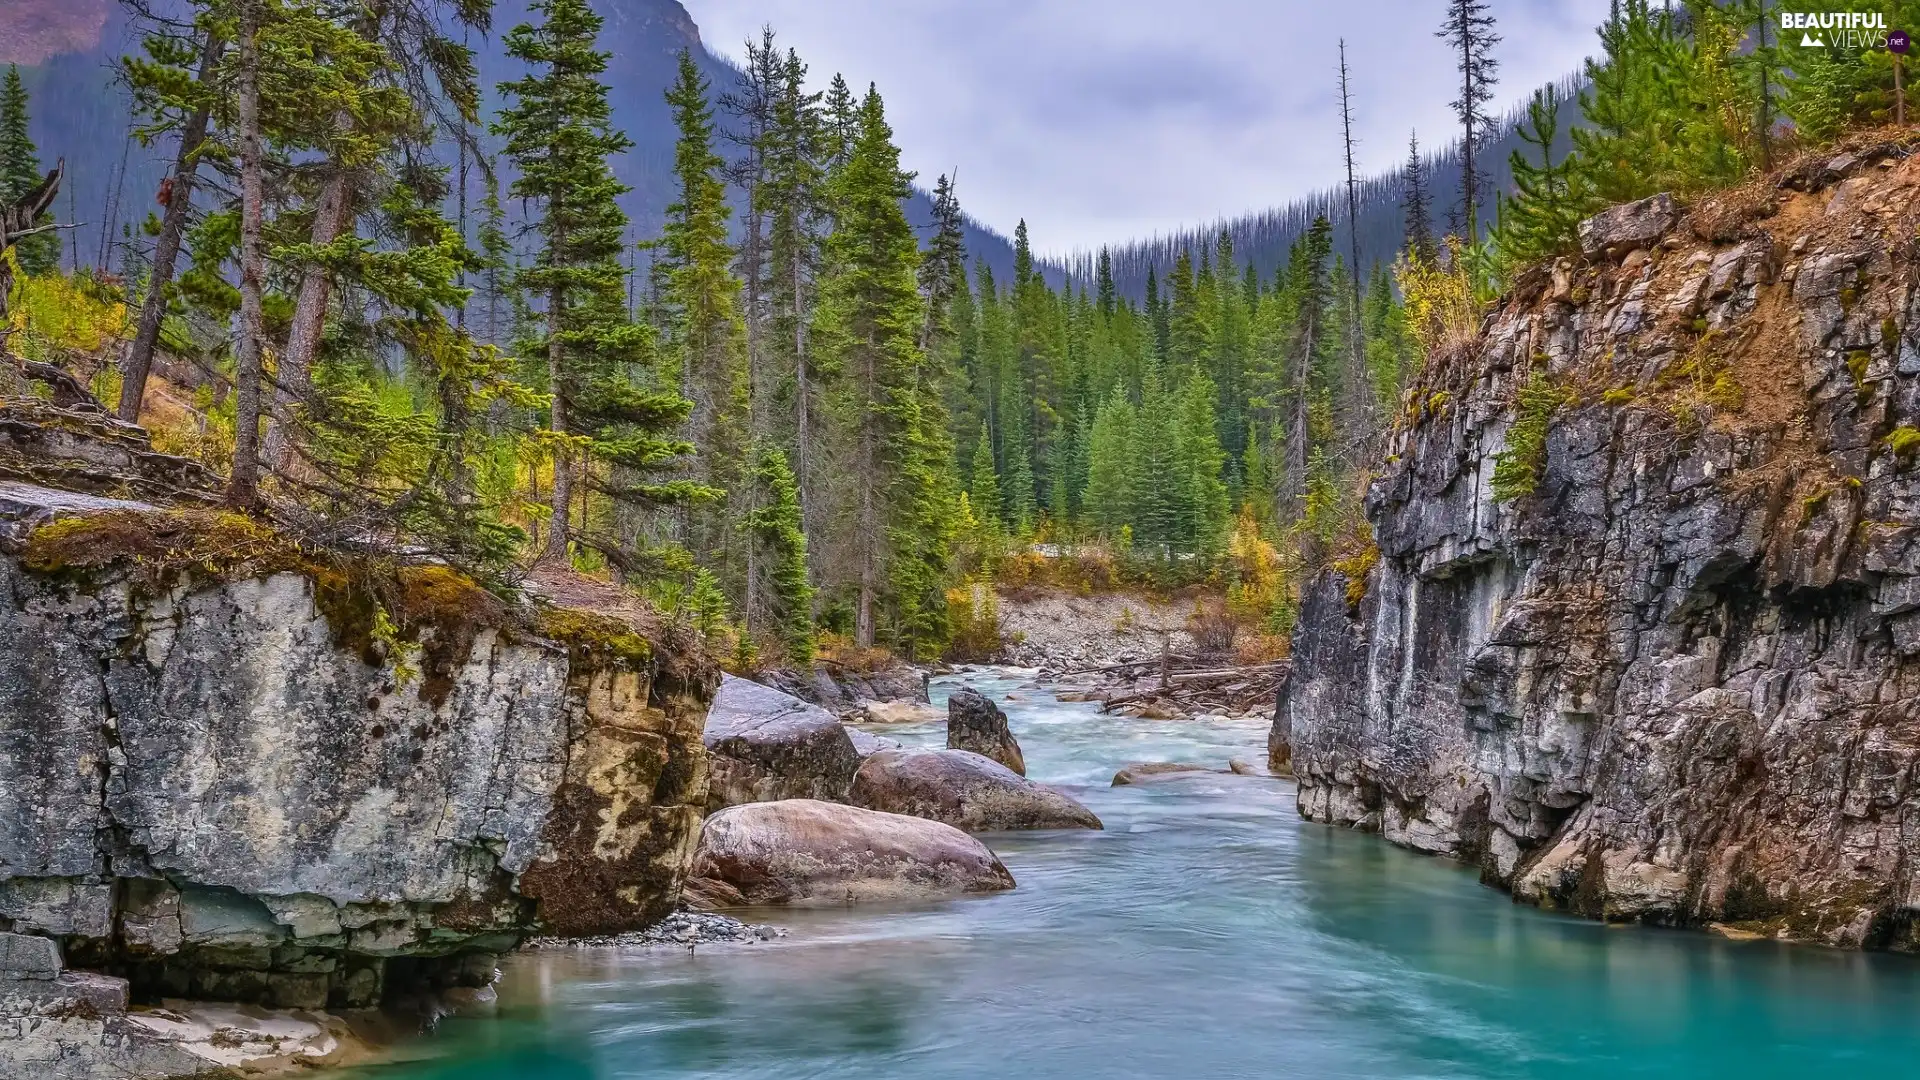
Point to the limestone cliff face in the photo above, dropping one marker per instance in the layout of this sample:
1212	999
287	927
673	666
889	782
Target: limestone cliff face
209	788
1680	680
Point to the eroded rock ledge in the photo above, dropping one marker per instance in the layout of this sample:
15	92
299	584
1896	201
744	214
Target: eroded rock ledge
227	781
1680	681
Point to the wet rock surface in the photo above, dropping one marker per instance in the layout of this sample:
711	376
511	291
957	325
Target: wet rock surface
764	744
965	790
682	929
805	851
1679	681
976	724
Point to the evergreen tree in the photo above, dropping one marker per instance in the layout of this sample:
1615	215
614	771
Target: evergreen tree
702	302
774	527
605	396
1542	217
1418	203
20	173
983	489
1468	30
790	193
870	313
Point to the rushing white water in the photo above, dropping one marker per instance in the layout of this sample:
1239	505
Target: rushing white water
1208	932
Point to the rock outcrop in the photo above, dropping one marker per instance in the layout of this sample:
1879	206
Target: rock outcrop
764	744
233	770
1679	679
803	850
975	723
965	790
843	690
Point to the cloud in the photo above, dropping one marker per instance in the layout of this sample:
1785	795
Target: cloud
1107	120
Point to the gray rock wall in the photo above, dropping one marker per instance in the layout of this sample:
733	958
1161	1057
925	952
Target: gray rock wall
1678	681
204	790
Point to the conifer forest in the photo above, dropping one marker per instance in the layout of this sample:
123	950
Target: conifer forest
410	306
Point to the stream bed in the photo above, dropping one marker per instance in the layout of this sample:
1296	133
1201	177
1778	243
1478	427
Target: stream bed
1208	932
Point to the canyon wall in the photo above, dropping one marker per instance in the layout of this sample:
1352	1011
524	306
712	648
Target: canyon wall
1679	680
230	773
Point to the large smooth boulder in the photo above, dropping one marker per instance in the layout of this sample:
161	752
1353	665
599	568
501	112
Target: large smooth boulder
975	723
867	744
763	745
965	790
802	850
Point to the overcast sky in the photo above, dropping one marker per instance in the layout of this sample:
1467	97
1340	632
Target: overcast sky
1106	120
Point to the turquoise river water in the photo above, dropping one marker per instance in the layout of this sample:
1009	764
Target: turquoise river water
1208	932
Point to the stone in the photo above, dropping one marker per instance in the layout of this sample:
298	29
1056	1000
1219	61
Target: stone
965	790
866	744
1146	772
27	957
975	723
515	782
1629	226
800	851
1674	684
764	745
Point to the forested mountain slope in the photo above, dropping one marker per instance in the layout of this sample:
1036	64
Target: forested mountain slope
68	54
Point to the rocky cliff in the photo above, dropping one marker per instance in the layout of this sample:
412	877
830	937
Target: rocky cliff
1675	680
234	768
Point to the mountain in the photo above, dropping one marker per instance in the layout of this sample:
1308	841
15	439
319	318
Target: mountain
68	52
1264	236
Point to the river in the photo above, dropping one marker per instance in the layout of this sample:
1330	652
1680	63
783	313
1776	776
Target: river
1208	932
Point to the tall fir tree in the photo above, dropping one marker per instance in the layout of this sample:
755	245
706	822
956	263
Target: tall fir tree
1468	30
870	314
607	397
708	341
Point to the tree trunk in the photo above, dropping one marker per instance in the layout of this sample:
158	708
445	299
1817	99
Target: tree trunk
560	532
243	488
869	531
295	369
166	247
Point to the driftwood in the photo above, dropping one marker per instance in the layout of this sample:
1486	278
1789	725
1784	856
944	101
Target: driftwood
18	220
1236	689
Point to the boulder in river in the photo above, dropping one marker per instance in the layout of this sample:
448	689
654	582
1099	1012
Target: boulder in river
801	850
965	790
975	723
867	744
1146	772
764	745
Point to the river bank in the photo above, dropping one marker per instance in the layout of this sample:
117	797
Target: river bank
1207	931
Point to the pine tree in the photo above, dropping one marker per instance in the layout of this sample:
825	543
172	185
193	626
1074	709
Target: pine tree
983	489
774	527
20	173
870	312
1542	217
605	398
790	193
1418	239
168	96
708	344
1468	29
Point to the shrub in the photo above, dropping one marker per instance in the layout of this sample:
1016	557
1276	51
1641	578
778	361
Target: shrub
1516	468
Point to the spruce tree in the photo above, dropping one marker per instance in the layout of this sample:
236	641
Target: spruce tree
707	341
20	173
775	529
983	488
870	313
605	397
1468	30
1417	240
